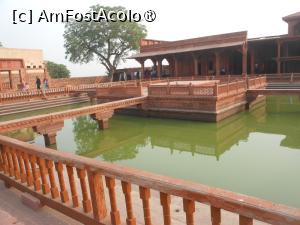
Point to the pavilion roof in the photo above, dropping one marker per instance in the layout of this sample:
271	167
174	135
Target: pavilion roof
182	50
195	44
292	16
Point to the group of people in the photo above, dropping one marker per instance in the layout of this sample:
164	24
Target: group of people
39	83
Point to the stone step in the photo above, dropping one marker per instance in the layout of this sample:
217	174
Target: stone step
43	106
45	103
39	102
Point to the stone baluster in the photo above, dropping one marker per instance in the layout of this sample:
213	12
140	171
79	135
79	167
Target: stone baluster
10	161
29	177
165	201
145	196
114	214
36	177
43	171
86	202
245	220
4	160
215	214
21	166
15	164
63	191
53	188
75	200
97	195
189	209
126	187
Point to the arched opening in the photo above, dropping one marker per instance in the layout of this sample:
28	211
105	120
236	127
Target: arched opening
150	69
165	70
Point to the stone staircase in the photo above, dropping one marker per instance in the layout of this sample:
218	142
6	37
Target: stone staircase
283	86
27	106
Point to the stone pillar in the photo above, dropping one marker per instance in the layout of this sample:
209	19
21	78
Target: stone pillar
176	66
142	62
244	52
196	69
252	59
159	68
102	118
49	131
217	55
278	57
0	82
10	79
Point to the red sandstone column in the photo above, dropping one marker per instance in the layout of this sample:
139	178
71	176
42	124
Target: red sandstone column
196	69
252	59
142	62
0	82
278	57
176	66
217	54
159	68
10	79
244	51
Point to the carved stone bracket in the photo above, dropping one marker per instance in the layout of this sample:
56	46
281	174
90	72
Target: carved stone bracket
49	131
102	118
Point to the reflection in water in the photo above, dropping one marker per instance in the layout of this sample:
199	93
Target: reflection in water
211	139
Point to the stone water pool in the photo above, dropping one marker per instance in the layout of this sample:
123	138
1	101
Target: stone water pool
255	153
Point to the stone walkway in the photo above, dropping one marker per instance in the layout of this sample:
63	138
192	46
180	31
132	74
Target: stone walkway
13	212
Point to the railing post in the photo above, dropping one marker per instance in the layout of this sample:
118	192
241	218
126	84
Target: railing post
189	209
72	186
126	187
21	166
114	214
15	164
63	191
43	171
53	188
245	220
36	177
145	196
29	177
86	202
215	215
97	195
165	201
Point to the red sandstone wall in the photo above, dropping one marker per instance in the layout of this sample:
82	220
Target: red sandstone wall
125	92
74	81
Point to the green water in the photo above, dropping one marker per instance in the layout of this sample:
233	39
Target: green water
255	153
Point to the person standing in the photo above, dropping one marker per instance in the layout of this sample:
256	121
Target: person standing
46	84
38	83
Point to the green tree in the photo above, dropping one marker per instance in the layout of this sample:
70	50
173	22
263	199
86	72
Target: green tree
1	45
107	42
57	70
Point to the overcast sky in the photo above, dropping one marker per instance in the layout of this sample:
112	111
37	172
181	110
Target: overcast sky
175	20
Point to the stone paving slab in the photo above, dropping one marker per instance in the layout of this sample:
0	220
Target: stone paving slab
12	211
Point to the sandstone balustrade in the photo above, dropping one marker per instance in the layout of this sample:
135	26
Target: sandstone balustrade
86	190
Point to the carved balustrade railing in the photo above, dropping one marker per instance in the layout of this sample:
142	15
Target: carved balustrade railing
76	186
67	114
283	78
233	86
